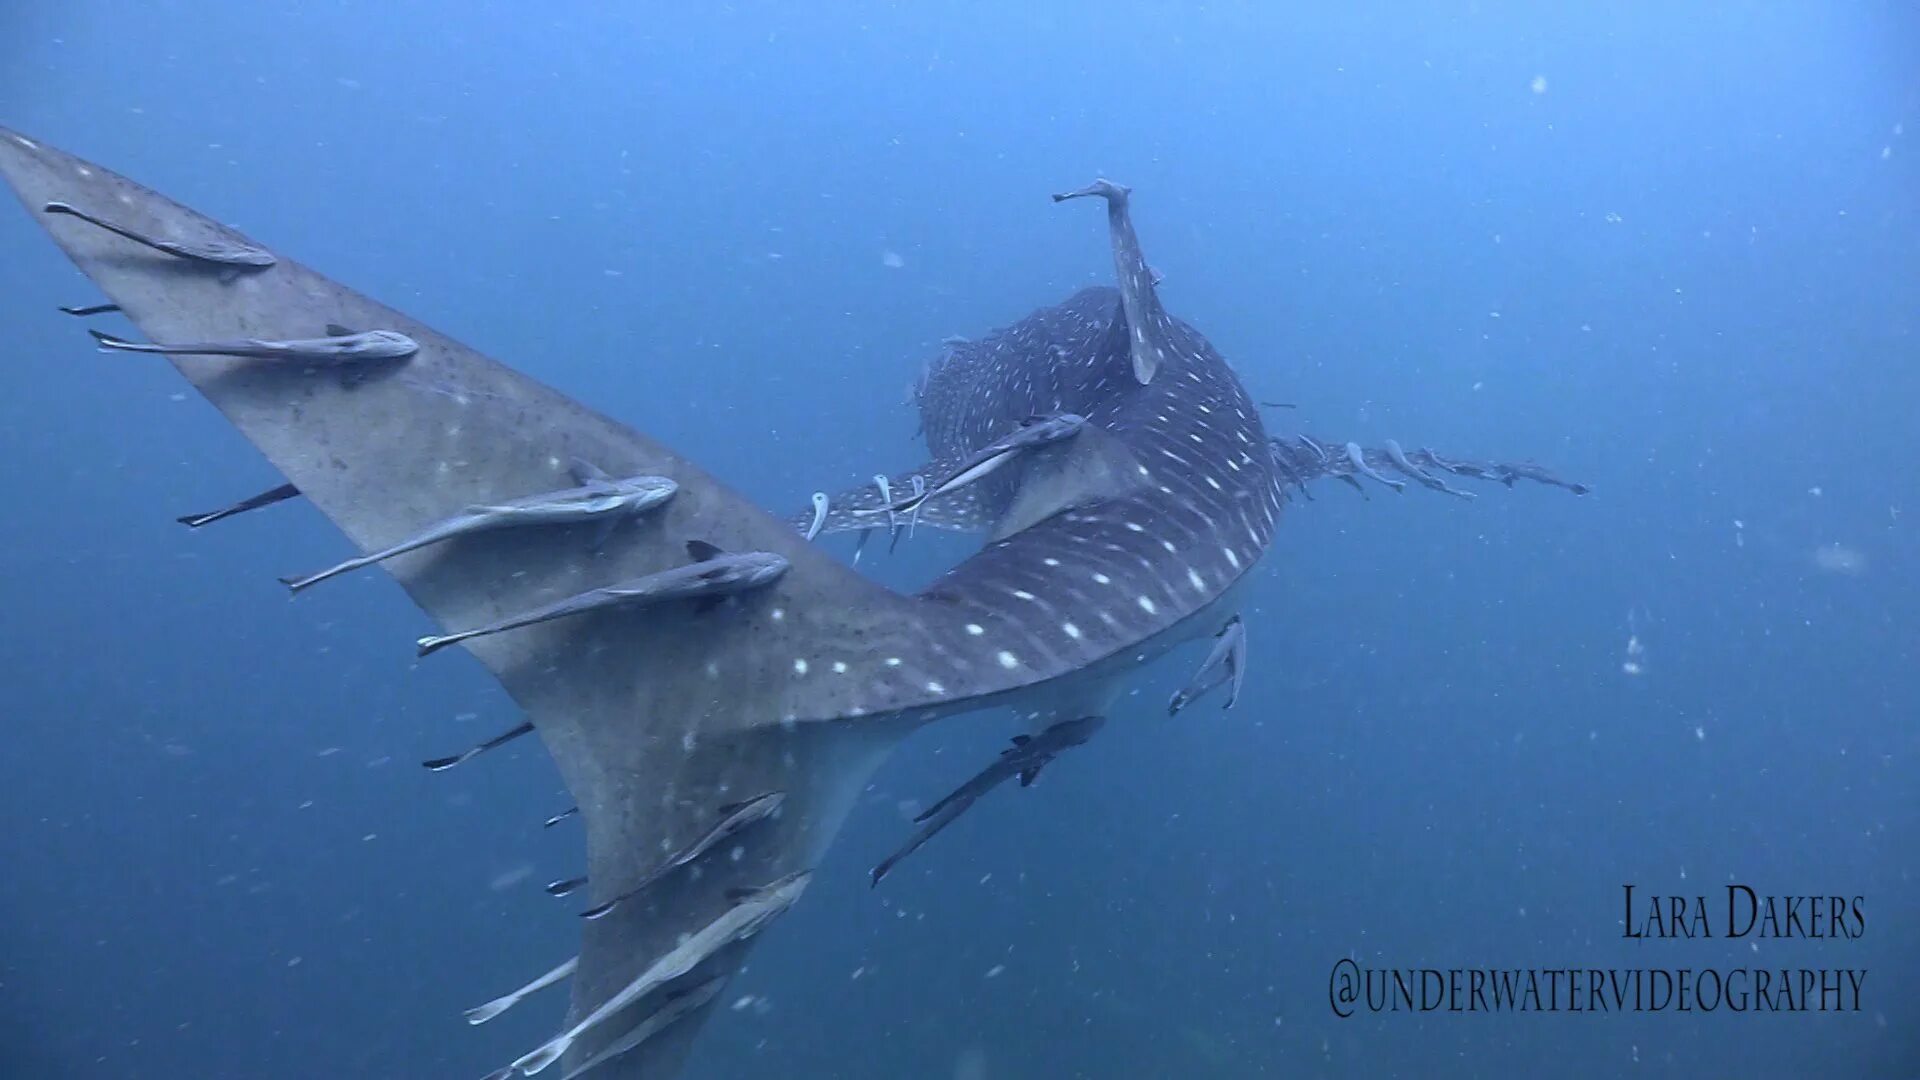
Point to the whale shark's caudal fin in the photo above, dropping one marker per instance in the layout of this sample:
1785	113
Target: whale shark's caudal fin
654	718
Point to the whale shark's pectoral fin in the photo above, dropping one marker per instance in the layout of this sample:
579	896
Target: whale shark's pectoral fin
630	708
1305	460
1150	331
1091	466
251	502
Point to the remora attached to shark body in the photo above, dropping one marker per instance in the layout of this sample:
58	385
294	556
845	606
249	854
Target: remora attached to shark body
1107	549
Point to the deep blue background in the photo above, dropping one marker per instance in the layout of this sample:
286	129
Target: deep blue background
1687	272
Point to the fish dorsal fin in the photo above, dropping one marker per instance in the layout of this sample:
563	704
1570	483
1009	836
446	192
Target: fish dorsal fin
334	329
1091	466
586	473
1149	330
701	551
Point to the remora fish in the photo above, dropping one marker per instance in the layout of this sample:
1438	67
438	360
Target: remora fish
678	1004
716	575
1030	435
808	691
252	502
480	1014
753	909
1226	663
1024	759
222	253
737	817
340	346
598	498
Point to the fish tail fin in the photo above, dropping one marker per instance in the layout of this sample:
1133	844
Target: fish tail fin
480	1014
548	1053
630	703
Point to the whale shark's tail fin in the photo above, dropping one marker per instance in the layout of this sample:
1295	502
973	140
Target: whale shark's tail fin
655	718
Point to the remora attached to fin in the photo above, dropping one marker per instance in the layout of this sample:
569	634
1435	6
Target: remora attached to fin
628	708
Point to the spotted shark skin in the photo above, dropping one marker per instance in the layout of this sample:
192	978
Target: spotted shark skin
656	718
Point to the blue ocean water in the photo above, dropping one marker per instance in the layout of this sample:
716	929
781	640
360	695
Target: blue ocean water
1672	251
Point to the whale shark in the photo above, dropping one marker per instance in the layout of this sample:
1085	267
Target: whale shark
1101	552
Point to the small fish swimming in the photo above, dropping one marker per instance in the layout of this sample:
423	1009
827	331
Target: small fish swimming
252	502
91	309
480	1014
886	498
340	346
599	498
1318	450
735	817
218	252
1358	459
754	909
1227	662
441	764
1025	759
715	576
560	817
1427	479
1030	436
820	507
565	886
678	1004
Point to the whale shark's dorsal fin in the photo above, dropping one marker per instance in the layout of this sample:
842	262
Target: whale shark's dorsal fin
1150	330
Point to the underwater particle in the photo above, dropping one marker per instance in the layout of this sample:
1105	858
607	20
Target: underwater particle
892	260
507	879
995	971
1840	559
742	1003
1538	85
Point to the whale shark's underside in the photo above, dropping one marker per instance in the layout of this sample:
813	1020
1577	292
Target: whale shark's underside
714	687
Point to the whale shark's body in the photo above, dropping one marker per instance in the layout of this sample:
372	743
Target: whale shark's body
1105	550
